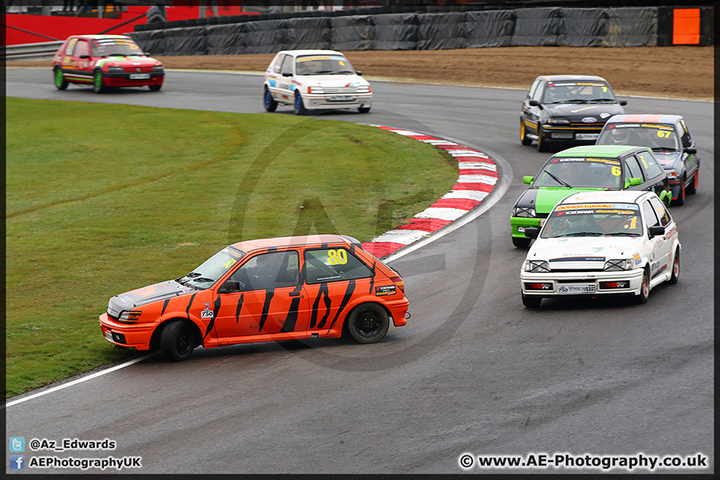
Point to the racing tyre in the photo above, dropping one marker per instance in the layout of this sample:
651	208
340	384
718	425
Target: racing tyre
363	109
98	82
299	105
531	301
692	189
60	82
644	288
681	196
675	268
177	340
269	102
155	88
523	134
368	323
521	242
542	146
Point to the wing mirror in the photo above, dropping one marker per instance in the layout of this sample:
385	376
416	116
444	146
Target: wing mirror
287	74
534	103
230	286
358	73
690	150
656	231
84	56
623	103
528	179
633	182
532	232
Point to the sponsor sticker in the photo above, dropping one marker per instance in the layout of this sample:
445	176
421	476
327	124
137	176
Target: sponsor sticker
385	290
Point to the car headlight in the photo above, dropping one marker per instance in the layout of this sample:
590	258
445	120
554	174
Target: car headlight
129	316
558	121
618	264
158	68
316	90
527	212
115	69
536	266
671	173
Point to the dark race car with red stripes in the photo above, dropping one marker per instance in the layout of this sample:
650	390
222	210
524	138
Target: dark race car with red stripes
672	145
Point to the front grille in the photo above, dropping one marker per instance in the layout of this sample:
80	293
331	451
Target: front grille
342	90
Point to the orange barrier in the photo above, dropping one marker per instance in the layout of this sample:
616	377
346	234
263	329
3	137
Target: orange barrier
686	26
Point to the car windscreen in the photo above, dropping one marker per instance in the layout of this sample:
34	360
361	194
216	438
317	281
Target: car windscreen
655	136
593	220
323	65
212	269
578	92
580	172
109	47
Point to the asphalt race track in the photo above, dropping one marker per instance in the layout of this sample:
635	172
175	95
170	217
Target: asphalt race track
472	372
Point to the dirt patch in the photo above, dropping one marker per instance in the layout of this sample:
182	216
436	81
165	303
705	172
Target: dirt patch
680	72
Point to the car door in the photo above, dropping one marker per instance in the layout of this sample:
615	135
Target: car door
273	74
655	213
81	58
262	296
690	160
530	113
334	277
285	78
655	175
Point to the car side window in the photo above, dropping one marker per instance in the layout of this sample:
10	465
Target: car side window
82	48
539	92
332	265
286	65
277	64
531	92
632	169
649	215
649	165
660	211
70	46
268	271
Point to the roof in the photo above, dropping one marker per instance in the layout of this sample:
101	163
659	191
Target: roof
605	196
91	36
250	245
310	52
645	118
558	78
606	151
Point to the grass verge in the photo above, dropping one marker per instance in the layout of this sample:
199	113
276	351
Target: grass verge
101	199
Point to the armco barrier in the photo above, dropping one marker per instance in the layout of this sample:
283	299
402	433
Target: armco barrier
543	26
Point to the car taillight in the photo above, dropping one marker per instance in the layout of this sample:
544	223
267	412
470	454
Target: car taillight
399	282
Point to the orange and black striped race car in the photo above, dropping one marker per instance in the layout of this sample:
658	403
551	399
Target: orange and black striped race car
263	290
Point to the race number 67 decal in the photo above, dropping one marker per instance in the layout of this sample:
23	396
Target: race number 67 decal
338	256
664	133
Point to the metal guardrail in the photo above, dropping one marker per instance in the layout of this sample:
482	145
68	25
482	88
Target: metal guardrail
31	51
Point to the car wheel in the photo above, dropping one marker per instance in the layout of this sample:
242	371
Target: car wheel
177	340
521	242
368	323
531	301
155	88
644	288
269	102
299	105
542	145
60	82
363	109
692	189
523	134
681	196
675	268
98	82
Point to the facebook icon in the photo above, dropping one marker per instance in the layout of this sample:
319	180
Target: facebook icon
17	462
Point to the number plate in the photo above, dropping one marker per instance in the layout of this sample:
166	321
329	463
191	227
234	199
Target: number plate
562	135
575	289
139	76
108	335
586	136
340	98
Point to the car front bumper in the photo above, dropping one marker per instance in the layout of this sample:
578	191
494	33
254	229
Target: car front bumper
125	80
570	133
126	335
327	101
553	284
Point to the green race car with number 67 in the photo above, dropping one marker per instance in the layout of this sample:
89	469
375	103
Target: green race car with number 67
585	168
